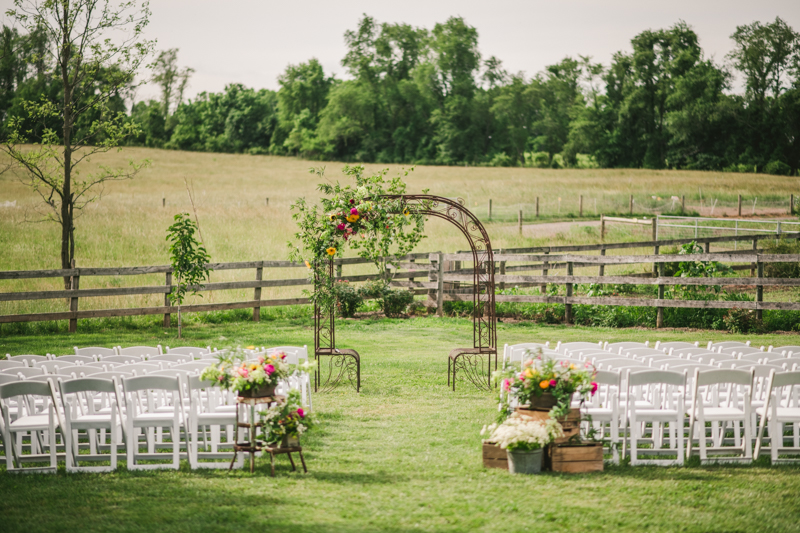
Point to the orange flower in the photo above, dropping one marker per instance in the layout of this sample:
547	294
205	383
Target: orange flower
308	265
352	218
331	251
544	383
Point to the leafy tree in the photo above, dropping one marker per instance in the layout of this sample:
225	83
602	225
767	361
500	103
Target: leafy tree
189	261
172	79
96	49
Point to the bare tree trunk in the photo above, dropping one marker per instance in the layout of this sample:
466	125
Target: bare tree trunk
67	246
180	325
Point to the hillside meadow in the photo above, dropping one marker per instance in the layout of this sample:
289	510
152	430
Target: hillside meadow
127	225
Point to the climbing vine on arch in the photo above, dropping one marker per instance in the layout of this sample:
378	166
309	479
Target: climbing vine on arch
357	215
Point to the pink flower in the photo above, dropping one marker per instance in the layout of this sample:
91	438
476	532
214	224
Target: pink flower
340	227
221	378
529	362
283	355
352	201
521	377
553	383
301	413
594	388
354	211
269	369
243	372
261	359
506	384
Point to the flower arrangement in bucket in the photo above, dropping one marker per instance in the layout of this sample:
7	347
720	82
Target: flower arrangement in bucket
524	440
248	375
285	422
542	383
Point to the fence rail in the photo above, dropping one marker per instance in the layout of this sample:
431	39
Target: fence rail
445	280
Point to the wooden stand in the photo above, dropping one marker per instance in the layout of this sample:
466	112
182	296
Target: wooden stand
252	445
273	451
494	456
586	457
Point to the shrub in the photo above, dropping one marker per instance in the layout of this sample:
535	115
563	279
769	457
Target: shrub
394	303
537	159
742	321
778	168
348	299
782	270
501	159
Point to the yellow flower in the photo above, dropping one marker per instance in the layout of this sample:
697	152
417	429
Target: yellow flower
250	348
308	265
528	373
544	384
572	367
352	218
331	251
332	216
406	213
253	366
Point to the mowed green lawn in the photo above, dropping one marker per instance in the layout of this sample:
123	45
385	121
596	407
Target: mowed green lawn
403	455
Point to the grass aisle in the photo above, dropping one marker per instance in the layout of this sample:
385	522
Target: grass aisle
404	455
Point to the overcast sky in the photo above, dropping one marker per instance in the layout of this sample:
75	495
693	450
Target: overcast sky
252	41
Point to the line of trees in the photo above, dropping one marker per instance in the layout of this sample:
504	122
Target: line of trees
428	96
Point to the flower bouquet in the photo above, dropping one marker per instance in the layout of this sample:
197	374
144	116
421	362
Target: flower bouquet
248	375
286	422
524	440
543	382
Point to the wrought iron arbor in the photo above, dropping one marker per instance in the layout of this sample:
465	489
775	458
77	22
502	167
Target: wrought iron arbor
346	364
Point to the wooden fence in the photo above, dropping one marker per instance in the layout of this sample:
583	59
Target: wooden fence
444	280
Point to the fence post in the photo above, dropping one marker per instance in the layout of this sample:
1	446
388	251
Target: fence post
708	247
580	205
163	201
257	293
602	228
683	203
490	209
339	271
631	204
655	228
266	201
759	288
659	308
568	307
740	205
440	284
502	284
791	204
519	220
167	303
537	207
655	265
543	288
753	265
602	266
73	302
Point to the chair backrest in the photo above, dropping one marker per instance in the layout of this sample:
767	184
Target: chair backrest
569	346
188	350
294	354
112	374
727	344
685	352
124	359
705	357
51	366
24	388
171	358
761	371
604	377
723	375
25	371
72	386
44	378
75	359
142	351
763	356
11	364
785	379
138	383
170	372
647	377
29	359
675	345
8	378
614	347
139	368
640	352
194	366
195	382
95	350
741	350
786	349
611	364
686	367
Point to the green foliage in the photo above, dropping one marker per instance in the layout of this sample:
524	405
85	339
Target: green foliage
778	168
742	321
395	302
188	258
782	270
697	269
348	298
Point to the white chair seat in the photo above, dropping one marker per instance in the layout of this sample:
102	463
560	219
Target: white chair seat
787	414
723	413
156	418
31	423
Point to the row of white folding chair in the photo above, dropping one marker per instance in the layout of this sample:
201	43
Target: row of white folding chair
782	407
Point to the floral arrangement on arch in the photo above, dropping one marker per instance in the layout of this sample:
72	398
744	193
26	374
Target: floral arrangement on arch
239	370
539	375
360	216
287	419
521	433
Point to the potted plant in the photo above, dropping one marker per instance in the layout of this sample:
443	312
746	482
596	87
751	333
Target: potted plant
250	376
524	440
285	422
544	383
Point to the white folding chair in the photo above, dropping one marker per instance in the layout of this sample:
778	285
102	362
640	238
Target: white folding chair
25	371
139	369
174	358
89	405
5	365
194	367
121	359
603	408
36	417
727	344
571	346
205	418
75	359
667	346
294	356
785	350
145	396
95	351
29	360
722	397
615	347
664	392
782	408
194	351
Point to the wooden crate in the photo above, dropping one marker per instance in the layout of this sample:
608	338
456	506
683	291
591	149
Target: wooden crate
494	456
570	423
587	457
